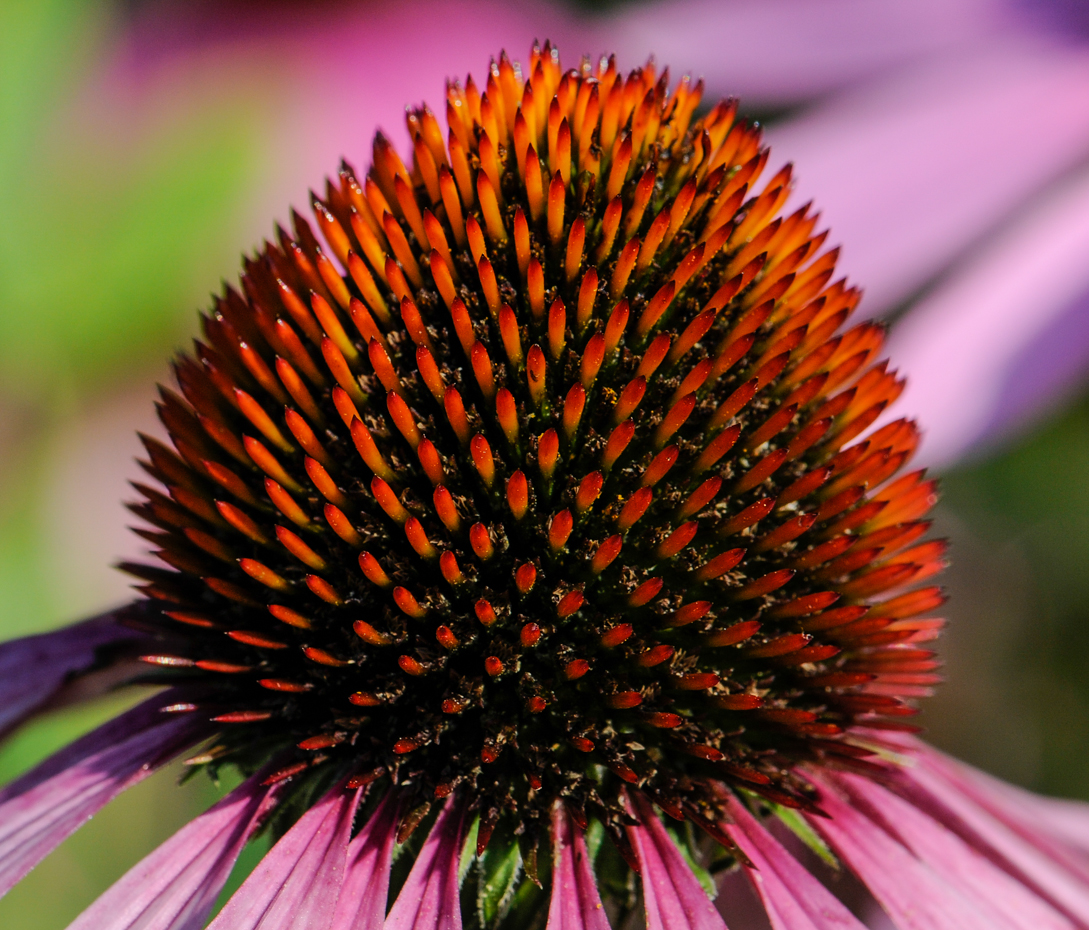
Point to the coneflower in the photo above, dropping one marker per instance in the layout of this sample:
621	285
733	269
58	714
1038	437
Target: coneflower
522	497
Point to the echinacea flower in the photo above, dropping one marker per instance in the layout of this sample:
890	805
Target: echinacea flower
526	550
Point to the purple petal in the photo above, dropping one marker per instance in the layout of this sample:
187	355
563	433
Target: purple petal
429	898
1003	829
913	170
575	902
362	903
912	894
991	889
1006	336
176	886
1060	820
673	897
785	50
54	799
793	898
353	59
296	886
33	669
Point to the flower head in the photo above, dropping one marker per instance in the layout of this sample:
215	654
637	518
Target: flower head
549	493
527	495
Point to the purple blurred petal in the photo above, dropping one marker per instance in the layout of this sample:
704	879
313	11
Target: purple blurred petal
313	65
777	51
371	61
362	902
429	898
1045	371
911	171
54	799
1007	334
176	886
296	885
990	889
913	895
765	50
33	669
575	903
673	896
793	898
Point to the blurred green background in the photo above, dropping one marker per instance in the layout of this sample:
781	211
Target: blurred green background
114	225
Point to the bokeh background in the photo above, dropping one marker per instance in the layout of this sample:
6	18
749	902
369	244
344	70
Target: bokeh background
144	144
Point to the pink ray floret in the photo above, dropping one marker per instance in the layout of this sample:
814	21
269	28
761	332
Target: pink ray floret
176	886
575	903
793	898
45	806
362	902
673	897
429	898
296	886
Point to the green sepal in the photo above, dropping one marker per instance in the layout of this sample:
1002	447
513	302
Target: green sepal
595	834
468	850
528	843
500	870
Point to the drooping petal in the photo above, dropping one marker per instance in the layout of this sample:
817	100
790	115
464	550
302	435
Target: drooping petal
793	898
362	902
914	168
34	668
429	898
1006	335
296	886
912	894
54	799
176	886
1048	821
575	903
990	889
673	897
1002	831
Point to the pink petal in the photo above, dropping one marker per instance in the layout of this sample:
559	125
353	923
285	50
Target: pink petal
974	339
673	897
1002	832
991	889
429	898
911	170
54	799
575	903
296	886
33	669
912	894
176	886
786	50
1060	820
372	60
793	898
362	903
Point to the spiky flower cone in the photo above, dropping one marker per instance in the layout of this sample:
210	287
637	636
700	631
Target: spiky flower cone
538	474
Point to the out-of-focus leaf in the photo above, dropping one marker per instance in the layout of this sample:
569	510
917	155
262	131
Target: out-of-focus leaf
1030	507
101	259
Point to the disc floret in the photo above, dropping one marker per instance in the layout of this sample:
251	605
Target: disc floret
538	474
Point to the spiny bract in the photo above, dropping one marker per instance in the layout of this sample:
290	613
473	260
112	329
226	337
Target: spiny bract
535	477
